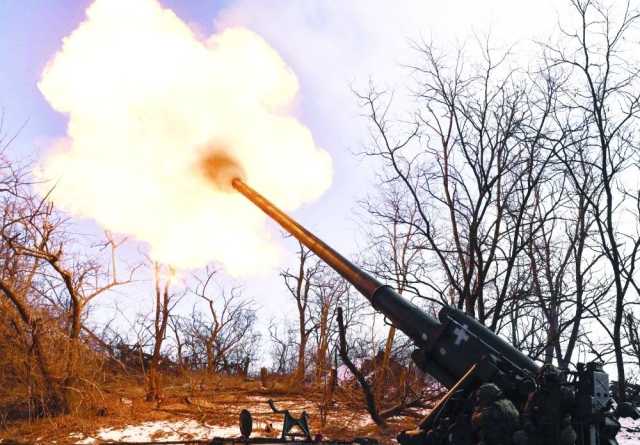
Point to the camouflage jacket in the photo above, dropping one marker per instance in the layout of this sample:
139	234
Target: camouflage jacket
496	422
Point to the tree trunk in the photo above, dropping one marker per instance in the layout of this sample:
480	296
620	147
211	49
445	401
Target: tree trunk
617	345
385	362
369	397
57	397
323	343
298	376
153	383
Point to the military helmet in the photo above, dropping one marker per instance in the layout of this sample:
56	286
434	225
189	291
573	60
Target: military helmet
487	393
549	375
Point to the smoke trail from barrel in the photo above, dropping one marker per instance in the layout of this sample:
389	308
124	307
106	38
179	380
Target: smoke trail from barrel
157	114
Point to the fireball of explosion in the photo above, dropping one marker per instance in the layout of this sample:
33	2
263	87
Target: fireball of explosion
157	114
220	168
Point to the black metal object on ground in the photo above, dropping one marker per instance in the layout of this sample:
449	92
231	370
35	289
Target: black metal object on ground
290	424
246	423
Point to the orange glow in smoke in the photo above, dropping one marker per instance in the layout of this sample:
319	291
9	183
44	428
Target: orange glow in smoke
148	101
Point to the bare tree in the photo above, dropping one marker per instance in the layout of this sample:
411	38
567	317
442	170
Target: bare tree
164	302
605	100
226	331
283	341
177	326
393	254
520	186
299	284
329	291
44	278
370	400
632	334
468	161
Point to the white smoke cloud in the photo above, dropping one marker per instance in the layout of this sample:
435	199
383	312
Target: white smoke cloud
146	99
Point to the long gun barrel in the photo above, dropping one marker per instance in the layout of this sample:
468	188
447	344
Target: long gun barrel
448	347
456	350
409	318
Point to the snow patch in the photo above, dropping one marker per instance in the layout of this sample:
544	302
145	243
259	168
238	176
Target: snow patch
257	398
159	430
629	433
191	429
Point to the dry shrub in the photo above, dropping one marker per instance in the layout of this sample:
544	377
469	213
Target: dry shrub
77	372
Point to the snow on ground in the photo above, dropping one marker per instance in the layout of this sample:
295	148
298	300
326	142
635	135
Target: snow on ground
259	399
191	429
630	432
159	430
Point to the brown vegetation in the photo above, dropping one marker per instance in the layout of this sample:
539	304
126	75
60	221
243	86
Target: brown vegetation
211	399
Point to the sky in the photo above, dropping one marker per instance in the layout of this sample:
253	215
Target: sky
333	46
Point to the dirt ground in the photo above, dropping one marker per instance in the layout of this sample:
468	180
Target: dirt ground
211	401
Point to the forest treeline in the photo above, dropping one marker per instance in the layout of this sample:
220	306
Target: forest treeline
510	192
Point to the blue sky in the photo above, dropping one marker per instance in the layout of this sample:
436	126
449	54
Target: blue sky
30	33
332	46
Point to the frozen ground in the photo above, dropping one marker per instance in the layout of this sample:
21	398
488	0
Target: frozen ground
630	433
191	429
158	430
265	424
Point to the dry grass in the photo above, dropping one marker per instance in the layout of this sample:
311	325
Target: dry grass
215	400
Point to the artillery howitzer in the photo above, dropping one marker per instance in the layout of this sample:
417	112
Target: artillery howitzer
459	352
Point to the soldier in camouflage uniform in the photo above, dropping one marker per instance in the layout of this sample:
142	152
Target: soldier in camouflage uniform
547	414
494	418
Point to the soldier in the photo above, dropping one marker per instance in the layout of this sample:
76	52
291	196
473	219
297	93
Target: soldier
494	418
547	413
